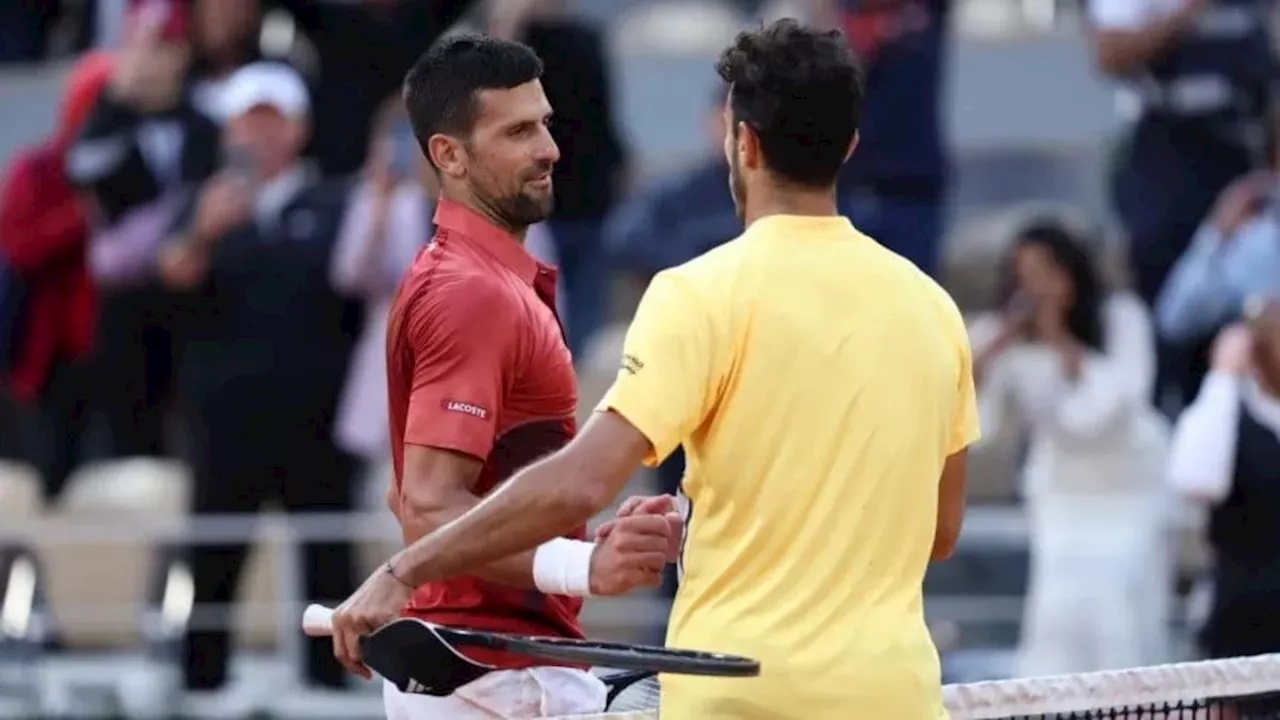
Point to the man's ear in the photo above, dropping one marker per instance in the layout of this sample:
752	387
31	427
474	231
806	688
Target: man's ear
748	146
853	144
448	154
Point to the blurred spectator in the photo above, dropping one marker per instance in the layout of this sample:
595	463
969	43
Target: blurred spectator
1077	361
267	352
364	49
1196	85
43	244
1235	254
141	150
24	29
589	176
388	220
224	37
894	186
681	216
1226	454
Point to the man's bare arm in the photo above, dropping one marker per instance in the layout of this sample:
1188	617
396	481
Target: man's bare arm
951	490
541	502
437	489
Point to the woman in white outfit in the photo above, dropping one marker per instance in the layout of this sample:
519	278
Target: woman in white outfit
1077	363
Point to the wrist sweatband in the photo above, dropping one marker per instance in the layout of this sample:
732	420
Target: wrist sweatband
563	567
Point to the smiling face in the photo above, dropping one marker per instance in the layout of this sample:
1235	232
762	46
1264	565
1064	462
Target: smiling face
507	157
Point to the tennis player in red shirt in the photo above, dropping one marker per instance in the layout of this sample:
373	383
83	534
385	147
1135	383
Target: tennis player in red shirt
481	383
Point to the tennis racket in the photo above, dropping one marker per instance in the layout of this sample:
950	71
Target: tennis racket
423	658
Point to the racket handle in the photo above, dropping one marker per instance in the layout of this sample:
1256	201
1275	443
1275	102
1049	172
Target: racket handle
317	621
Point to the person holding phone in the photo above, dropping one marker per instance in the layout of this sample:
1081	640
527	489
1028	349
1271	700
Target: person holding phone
387	221
1077	362
1226	447
267	351
1235	254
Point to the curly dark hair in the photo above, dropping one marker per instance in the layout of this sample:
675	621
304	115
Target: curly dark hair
1072	254
440	90
801	91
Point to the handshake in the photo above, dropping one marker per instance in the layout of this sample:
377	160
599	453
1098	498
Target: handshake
633	548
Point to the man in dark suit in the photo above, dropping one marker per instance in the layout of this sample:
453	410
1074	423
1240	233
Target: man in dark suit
267	351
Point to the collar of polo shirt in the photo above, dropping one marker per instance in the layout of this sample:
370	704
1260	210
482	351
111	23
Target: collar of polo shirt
497	242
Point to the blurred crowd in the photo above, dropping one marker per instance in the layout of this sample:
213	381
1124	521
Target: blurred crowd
197	262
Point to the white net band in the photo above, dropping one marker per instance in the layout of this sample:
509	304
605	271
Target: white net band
1156	686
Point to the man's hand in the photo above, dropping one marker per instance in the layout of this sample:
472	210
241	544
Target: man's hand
630	554
1241	200
181	266
664	505
225	202
374	604
148	72
1232	352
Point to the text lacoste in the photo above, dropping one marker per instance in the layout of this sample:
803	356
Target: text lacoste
466	409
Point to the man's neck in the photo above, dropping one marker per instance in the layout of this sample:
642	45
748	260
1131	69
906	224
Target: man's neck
789	201
474	204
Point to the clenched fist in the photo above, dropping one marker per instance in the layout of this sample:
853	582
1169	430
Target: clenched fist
664	506
630	554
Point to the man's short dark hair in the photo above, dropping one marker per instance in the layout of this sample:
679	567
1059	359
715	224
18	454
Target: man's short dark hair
440	90
801	91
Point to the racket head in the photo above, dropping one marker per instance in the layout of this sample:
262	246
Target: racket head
414	657
620	656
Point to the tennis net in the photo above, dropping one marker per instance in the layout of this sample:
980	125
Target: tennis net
1231	689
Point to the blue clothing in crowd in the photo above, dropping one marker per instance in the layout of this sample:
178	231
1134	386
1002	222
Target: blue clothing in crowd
1208	286
674	221
894	186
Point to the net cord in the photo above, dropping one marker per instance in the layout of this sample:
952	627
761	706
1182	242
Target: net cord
1157	685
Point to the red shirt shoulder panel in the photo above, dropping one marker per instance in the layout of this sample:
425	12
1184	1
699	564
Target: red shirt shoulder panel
452	335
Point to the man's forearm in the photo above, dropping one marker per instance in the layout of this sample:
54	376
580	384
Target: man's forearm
540	503
515	570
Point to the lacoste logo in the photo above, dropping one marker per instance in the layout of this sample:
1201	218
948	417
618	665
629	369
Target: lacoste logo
465	408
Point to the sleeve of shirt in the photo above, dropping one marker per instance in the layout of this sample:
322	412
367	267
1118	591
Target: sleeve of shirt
461	344
1196	299
965	430
672	365
1202	453
107	162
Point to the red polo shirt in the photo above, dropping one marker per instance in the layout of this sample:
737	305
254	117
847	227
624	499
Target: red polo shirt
477	363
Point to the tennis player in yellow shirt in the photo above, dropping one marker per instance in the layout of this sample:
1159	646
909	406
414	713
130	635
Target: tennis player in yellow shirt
821	387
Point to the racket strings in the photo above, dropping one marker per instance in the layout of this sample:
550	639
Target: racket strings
642	695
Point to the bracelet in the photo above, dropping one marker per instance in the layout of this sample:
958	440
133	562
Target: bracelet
391	570
563	567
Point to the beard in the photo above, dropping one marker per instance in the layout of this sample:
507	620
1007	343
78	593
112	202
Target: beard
519	210
737	188
522	209
516	209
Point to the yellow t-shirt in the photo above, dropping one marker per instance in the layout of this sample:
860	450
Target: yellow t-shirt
817	382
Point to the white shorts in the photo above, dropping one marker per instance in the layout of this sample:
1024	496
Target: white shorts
504	695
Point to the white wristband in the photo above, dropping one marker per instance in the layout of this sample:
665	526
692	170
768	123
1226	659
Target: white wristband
563	567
